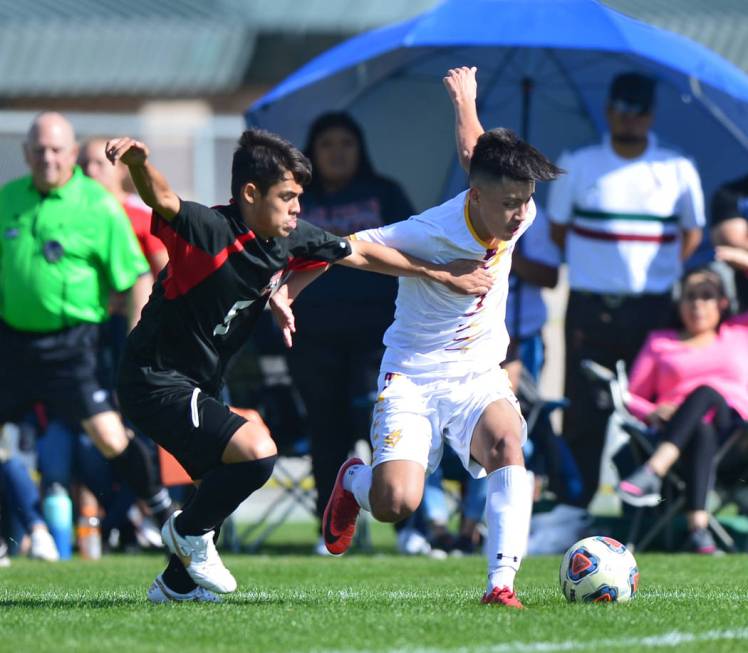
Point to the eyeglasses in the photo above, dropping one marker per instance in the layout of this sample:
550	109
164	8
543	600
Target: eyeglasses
703	295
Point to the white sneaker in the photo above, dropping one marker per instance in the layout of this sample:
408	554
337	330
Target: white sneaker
43	546
159	592
411	542
4	554
147	533
199	557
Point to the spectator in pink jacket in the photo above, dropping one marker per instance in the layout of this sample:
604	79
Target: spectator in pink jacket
691	384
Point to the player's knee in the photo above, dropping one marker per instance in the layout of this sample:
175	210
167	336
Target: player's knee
260	447
263	448
248	444
505	449
111	442
393	504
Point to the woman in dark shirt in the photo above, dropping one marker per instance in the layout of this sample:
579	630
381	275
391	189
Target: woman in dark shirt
342	317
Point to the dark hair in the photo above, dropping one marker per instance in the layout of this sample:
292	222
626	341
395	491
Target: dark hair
264	158
338	120
716	272
632	92
501	154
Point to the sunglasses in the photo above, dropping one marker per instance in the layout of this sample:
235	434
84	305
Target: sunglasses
627	108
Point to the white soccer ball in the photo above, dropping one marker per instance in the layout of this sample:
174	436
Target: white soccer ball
598	570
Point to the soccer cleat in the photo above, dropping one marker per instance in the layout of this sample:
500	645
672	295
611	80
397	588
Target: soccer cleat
341	512
160	592
640	489
147	532
43	546
502	596
199	557
411	542
4	553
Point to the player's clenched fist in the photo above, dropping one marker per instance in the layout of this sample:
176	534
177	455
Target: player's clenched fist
127	150
461	84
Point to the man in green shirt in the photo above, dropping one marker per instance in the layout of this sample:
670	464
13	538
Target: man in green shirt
65	246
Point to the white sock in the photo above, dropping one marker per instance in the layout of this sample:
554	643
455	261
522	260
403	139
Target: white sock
357	480
508	508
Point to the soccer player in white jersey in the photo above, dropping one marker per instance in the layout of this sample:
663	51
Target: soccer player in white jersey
440	379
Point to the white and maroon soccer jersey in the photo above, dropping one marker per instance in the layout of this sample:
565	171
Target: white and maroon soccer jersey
219	277
625	217
436	331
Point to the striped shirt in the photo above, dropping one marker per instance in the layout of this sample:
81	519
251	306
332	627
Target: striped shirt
625	217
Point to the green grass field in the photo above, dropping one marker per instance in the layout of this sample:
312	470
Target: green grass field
296	603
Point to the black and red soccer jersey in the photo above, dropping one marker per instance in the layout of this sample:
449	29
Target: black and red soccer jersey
218	280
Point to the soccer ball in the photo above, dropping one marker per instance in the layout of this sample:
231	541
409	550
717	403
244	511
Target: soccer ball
598	570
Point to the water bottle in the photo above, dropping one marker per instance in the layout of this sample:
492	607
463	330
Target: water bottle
58	513
89	533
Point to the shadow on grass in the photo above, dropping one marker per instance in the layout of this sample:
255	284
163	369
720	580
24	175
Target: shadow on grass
306	549
72	602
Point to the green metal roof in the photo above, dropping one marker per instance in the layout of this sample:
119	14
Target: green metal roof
720	25
192	47
163	47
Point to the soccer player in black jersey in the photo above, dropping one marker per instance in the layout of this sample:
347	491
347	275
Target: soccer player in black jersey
224	265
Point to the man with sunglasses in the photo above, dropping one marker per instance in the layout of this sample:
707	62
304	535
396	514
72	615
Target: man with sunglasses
626	215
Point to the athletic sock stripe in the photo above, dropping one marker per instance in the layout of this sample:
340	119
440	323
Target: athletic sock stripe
159	501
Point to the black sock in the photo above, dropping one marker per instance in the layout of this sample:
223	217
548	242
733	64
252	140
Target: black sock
136	467
221	492
176	577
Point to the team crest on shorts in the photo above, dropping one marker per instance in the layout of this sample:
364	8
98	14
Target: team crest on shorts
391	439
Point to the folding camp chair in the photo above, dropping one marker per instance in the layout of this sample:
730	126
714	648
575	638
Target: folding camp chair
551	456
291	489
642	441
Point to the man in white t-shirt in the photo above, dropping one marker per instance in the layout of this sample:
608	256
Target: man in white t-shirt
627	214
440	379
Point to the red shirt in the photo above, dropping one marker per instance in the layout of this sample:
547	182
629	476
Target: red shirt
140	217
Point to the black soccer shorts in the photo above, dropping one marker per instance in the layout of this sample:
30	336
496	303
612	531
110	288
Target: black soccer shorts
193	426
58	369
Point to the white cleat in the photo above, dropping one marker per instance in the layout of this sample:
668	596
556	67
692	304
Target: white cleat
159	592
411	543
199	557
43	546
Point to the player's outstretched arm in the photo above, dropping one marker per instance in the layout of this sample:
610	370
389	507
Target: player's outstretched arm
152	186
463	91
463	276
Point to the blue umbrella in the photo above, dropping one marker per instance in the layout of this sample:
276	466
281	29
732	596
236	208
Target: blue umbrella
543	69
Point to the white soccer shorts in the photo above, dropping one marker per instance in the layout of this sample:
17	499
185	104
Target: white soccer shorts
413	417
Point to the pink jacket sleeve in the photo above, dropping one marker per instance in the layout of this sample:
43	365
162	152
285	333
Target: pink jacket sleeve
643	380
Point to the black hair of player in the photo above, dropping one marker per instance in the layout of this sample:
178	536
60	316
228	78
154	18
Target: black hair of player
264	158
501	154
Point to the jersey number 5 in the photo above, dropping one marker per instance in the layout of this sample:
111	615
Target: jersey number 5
223	328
